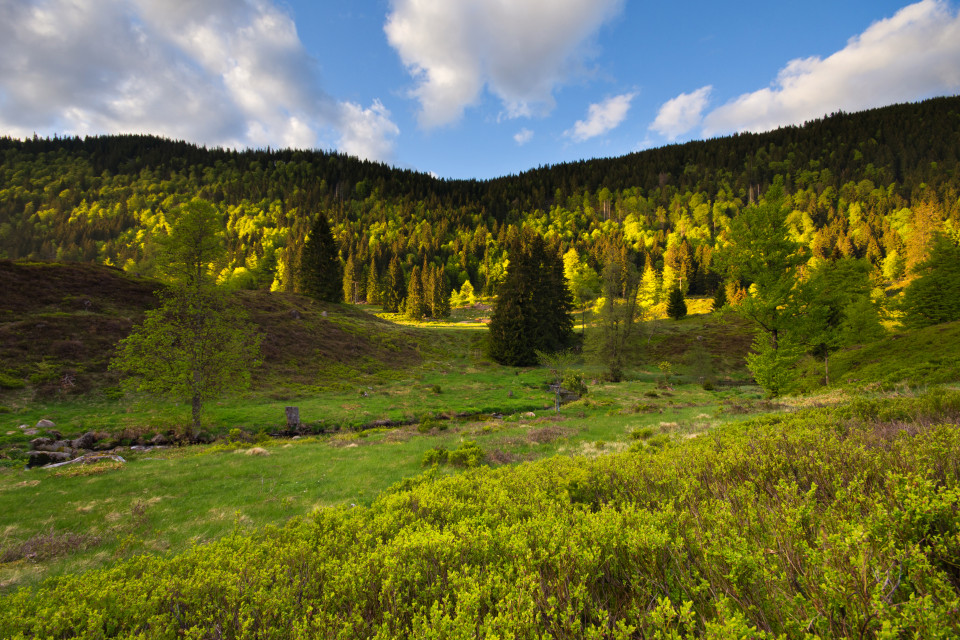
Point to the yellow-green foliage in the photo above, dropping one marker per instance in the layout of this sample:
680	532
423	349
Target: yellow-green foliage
838	522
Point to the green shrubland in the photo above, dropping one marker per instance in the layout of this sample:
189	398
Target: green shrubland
829	522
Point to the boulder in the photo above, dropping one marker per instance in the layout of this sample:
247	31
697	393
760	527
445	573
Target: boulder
45	424
43	458
86	441
159	440
41	443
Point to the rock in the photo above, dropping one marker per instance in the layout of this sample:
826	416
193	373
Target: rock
23	426
159	440
62	445
294	314
86	441
30	432
38	443
45	424
529	414
43	458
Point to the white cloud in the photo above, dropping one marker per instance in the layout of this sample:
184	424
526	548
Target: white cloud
913	55
217	72
523	136
679	115
367	133
601	118
520	49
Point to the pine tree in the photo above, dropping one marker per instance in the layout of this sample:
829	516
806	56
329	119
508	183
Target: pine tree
393	287
676	305
321	274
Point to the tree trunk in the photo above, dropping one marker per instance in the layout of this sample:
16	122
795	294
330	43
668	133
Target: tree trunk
826	369
197	406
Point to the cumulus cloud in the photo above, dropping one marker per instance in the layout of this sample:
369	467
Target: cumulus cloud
681	114
523	136
218	72
367	133
601	118
521	50
913	55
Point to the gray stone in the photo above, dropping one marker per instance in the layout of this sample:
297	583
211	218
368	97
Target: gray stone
39	443
159	440
86	441
45	424
43	458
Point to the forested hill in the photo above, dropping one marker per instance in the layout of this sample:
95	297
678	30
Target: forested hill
872	184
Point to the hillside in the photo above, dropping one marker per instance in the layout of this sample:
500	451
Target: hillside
872	185
59	324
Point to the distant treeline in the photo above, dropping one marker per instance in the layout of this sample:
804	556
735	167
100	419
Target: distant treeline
875	185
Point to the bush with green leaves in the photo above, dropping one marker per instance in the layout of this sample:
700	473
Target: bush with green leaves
831	522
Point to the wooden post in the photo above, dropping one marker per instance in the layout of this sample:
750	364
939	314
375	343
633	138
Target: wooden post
293	418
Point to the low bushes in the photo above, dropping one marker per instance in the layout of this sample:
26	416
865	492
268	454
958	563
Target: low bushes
835	522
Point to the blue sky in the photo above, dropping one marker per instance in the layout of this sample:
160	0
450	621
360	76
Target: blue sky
462	88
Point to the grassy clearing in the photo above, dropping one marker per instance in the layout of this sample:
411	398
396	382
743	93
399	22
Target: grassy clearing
166	500
829	522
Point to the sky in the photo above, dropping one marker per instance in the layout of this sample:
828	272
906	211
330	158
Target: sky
462	88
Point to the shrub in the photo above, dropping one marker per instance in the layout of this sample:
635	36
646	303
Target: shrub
435	456
8	381
468	454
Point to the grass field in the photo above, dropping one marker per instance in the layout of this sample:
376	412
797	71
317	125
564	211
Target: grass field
378	396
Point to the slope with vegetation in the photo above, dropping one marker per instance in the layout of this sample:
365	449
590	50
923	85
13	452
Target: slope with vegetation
833	522
871	185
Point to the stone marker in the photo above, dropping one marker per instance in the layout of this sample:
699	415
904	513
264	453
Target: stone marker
293	418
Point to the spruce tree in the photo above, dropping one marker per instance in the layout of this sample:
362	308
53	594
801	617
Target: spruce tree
533	307
441	297
373	283
676	305
350	280
321	274
934	297
427	279
393	288
720	297
414	307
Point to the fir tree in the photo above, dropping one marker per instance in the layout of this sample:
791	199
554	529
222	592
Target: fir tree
321	274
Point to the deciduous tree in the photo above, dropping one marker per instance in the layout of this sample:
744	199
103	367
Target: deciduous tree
197	345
